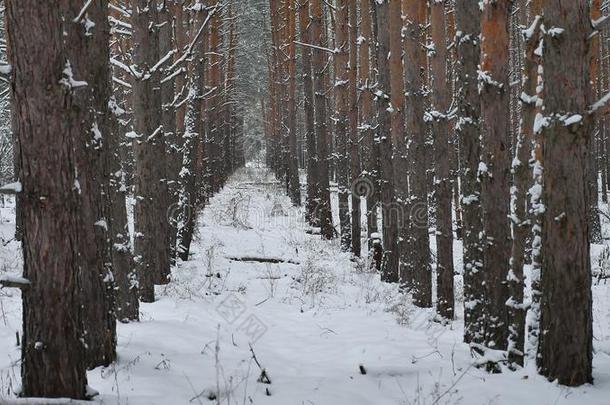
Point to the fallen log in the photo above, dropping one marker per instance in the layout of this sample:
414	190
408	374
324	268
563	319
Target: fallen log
273	260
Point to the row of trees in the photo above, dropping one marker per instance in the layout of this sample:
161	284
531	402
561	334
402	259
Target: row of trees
110	98
485	115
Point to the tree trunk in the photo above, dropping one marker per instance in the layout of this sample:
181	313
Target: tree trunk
418	245
174	143
595	227
168	120
443	186
494	170
50	127
123	266
468	17
355	169
391	252
565	350
308	100
150	218
368	184
397	131
97	284
293	173
342	120
194	128
521	221
319	67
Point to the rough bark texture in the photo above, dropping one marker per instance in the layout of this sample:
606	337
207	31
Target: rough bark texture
97	286
391	253
317	38
565	350
49	126
595	227
438	116
123	266
168	120
174	143
468	17
418	244
150	218
494	170
192	139
522	179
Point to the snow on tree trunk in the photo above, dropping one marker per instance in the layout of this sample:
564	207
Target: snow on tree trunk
468	17
494	169
440	133
566	330
418	245
391	252
50	127
319	67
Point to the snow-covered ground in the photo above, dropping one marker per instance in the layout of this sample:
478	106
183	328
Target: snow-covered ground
313	323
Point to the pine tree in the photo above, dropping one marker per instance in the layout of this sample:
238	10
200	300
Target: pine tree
468	17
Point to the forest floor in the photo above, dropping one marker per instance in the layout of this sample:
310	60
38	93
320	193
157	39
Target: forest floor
313	321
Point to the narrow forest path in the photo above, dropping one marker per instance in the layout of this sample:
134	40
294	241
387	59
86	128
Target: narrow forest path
312	316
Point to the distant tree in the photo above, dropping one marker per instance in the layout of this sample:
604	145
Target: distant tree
308	107
341	117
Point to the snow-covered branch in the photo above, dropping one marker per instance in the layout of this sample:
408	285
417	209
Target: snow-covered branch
601	106
14	282
82	12
319	48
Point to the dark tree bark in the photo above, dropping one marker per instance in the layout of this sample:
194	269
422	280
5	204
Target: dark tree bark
595	227
123	266
494	170
213	104
368	185
193	133
97	284
468	17
293	163
319	67
565	350
397	130
391	252
308	106
174	143
522	181
355	169
439	114
50	126
418	244
150	217
342	120
167	44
